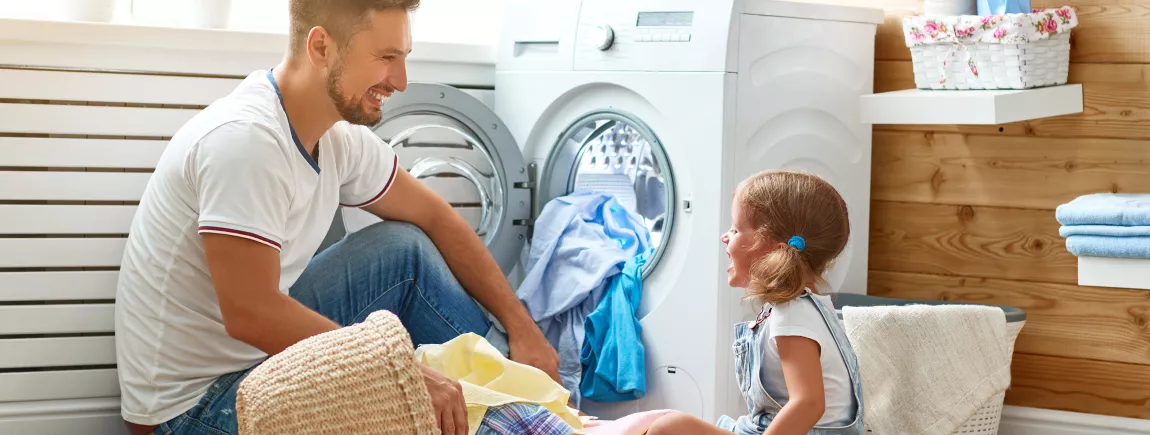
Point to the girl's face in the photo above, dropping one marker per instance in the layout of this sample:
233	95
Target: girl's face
741	247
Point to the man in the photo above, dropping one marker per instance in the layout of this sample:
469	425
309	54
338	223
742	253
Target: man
218	272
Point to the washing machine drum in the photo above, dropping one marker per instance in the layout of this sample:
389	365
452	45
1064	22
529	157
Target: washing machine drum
456	145
615	153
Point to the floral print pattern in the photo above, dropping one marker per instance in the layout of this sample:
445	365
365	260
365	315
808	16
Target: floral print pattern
960	32
997	29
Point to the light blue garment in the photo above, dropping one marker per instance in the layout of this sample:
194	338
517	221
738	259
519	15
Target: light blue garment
613	356
1125	209
580	242
1104	230
1099	246
764	408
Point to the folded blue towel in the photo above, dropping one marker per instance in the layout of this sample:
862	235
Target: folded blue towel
1127	209
1104	230
1101	246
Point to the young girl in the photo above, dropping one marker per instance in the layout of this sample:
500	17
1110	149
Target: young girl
795	367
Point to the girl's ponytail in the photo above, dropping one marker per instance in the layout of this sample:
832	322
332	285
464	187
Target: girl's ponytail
805	219
779	276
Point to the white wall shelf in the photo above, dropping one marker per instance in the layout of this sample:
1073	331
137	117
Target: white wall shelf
234	53
1114	272
946	107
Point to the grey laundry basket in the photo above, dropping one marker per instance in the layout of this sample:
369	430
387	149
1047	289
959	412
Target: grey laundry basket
985	420
856	300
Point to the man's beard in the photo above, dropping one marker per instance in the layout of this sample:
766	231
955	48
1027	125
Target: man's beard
351	112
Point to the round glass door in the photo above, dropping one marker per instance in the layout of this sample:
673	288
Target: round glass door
614	153
456	146
444	154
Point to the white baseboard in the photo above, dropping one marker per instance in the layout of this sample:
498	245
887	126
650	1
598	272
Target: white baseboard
1018	420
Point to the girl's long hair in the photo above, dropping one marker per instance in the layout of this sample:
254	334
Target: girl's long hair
782	205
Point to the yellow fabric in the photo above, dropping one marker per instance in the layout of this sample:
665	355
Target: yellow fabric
489	379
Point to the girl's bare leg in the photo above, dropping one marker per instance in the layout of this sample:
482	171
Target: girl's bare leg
678	423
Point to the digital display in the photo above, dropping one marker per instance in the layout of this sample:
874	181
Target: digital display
664	19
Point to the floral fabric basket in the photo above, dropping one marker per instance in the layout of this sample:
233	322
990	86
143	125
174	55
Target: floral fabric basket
1012	51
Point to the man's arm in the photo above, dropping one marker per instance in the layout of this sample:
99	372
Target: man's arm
243	210
409	200
246	276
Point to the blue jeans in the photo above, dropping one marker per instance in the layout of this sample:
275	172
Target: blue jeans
387	266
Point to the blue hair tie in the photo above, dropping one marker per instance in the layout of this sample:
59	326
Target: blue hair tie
797	242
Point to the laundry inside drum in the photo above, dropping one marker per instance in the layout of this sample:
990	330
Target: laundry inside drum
621	157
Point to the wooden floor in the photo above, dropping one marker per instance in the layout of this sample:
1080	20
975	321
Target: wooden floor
966	213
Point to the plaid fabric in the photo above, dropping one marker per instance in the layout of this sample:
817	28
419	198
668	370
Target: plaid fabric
522	419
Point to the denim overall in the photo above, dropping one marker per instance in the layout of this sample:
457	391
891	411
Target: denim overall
748	361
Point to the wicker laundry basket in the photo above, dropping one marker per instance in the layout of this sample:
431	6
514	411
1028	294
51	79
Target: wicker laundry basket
1013	51
985	420
359	379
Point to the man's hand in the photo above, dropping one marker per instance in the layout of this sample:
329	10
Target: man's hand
530	347
447	399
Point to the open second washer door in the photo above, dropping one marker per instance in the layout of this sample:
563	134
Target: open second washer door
615	152
456	145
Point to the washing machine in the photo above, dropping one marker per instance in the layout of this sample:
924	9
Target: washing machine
667	104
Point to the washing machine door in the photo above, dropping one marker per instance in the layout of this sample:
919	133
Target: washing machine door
615	152
456	145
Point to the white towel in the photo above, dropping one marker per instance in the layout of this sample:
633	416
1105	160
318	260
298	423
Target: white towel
927	369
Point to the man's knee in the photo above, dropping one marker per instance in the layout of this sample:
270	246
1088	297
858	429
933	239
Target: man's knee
393	229
394	235
400	243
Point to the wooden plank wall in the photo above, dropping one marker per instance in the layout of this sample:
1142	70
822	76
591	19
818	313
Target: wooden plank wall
965	213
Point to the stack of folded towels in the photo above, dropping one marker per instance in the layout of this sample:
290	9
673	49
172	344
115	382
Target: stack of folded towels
1106	225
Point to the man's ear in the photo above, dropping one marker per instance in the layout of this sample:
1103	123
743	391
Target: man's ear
320	47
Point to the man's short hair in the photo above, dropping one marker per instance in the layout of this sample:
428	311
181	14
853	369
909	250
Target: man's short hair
341	18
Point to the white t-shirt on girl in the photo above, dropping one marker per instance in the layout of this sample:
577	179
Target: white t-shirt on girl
800	318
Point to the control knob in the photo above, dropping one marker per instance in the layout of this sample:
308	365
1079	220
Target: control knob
602	37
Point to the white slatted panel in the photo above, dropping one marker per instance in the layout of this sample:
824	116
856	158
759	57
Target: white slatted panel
57	286
62	252
69	406
99	416
59	352
88	423
79	153
120	88
120	57
91	120
72	186
54	385
66	219
56	319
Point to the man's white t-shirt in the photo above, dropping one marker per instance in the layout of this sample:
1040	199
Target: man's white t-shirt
800	318
235	169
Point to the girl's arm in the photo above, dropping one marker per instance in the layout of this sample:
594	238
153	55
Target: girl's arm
803	373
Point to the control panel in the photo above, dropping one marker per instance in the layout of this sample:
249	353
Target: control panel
649	35
663	26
